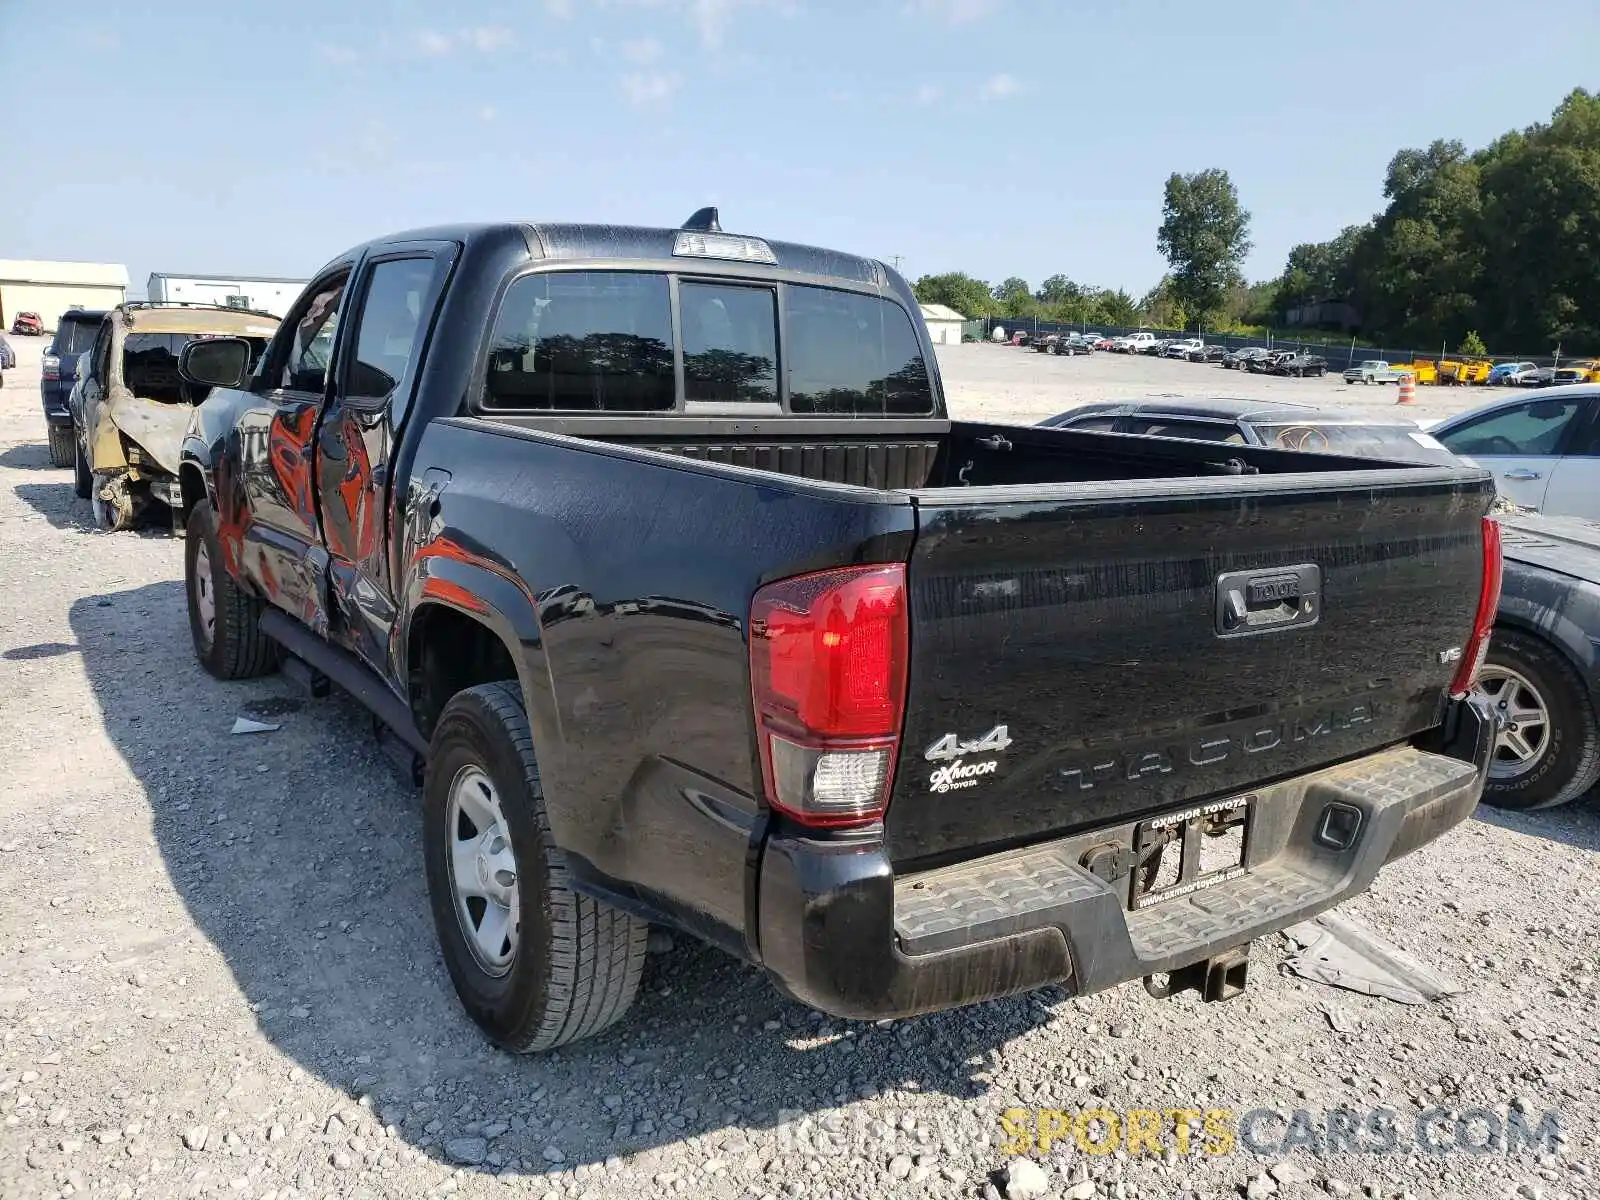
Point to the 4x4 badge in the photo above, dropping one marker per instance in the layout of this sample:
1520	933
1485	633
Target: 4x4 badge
950	746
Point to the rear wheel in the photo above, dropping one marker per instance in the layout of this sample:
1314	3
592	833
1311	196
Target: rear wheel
1549	751
224	620
61	445
535	963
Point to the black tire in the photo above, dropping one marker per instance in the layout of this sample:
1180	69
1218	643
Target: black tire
234	647
575	968
1569	763
63	446
82	479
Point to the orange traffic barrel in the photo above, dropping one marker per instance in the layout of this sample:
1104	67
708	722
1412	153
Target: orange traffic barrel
1408	389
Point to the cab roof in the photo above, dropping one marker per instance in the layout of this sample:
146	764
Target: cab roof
565	242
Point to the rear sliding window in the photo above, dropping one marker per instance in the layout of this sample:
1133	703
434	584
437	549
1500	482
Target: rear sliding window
853	354
601	341
595	341
74	337
730	343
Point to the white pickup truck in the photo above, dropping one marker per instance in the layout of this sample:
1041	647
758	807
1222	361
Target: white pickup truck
1134	343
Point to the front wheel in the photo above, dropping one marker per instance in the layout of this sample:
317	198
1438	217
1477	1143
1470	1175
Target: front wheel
115	508
1549	751
62	445
224	619
535	963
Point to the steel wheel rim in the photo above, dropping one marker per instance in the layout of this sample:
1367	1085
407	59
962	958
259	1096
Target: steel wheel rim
205	600
483	871
1524	741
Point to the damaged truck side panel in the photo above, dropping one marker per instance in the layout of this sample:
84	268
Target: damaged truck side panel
131	408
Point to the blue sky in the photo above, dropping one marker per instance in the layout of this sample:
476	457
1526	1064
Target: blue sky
998	137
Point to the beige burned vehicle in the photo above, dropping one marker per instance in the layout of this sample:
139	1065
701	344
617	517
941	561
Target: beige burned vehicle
130	407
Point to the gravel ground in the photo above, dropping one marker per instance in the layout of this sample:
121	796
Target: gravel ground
218	974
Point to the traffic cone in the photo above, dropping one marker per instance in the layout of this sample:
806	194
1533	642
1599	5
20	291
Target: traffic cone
1408	389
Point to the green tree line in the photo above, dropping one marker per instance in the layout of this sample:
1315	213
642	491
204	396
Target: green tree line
1493	249
1502	244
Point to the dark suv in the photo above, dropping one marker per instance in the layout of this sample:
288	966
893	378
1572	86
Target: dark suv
75	333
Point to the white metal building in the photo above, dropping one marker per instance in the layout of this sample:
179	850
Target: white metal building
944	323
263	293
50	288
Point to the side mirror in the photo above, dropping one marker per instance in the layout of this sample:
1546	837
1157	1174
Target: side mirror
216	362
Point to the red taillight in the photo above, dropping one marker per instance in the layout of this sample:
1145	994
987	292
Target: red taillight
828	673
1483	622
51	367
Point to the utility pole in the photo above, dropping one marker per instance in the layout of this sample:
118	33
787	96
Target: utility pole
894	261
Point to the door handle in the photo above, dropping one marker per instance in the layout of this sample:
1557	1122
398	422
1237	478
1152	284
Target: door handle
1522	473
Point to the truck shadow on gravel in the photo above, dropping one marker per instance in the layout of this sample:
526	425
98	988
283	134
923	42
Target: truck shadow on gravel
27	456
296	853
56	503
1576	823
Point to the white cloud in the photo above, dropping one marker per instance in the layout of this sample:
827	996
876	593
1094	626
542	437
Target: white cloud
487	113
561	10
927	94
649	89
339	56
431	42
953	12
999	87
642	50
710	19
486	39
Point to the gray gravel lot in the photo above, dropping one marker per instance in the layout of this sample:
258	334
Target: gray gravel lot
218	974
1008	383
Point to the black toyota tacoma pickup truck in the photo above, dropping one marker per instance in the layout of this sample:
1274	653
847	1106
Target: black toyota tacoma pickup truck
658	550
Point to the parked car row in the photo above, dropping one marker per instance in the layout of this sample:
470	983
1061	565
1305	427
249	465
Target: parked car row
1066	343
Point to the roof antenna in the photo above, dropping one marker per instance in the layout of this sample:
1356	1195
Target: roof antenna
704	221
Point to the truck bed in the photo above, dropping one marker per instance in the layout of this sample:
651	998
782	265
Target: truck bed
921	454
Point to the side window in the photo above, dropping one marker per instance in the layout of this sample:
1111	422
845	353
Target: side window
854	354
1205	431
1532	429
386	329
1586	440
100	360
1092	424
584	341
730	343
311	350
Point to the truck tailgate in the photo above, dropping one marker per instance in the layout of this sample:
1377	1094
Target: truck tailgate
1151	642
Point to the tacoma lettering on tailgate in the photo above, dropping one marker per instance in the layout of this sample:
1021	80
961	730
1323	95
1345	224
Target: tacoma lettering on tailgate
1220	745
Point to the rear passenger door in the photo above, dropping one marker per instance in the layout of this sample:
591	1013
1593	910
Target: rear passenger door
266	506
1574	489
394	298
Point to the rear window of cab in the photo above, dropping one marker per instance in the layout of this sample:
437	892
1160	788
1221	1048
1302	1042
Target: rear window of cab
603	341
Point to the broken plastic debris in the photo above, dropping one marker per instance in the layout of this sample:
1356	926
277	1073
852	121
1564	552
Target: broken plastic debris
246	725
1340	1018
1337	951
